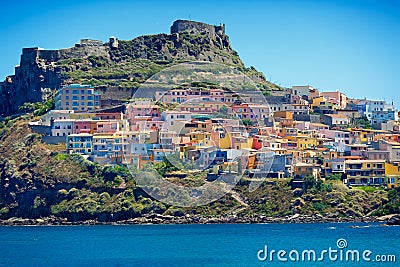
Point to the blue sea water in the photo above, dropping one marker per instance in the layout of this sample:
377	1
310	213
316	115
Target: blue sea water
190	245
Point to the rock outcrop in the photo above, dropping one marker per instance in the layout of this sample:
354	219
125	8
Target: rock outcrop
394	220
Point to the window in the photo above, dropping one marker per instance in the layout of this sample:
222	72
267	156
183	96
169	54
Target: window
75	92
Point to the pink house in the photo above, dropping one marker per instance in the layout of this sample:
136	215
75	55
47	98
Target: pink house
172	96
136	113
82	126
143	110
107	126
242	111
217	95
146	126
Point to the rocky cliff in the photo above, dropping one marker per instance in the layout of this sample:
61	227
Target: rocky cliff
117	63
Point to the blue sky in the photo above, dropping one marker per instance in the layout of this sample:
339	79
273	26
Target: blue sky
346	45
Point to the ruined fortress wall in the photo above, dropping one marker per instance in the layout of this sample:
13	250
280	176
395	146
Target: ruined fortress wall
73	52
83	51
183	25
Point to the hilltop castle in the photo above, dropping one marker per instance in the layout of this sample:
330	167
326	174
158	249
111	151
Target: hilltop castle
42	70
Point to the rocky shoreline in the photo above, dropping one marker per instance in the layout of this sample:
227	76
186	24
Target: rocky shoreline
193	219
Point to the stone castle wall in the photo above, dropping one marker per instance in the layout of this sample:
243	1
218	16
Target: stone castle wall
36	72
196	27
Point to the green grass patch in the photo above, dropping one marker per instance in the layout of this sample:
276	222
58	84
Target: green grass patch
367	189
61	157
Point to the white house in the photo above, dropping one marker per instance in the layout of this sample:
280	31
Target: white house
62	127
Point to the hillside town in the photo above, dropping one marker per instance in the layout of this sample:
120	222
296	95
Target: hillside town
296	133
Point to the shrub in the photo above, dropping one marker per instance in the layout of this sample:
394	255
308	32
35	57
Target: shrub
308	182
334	177
320	206
60	157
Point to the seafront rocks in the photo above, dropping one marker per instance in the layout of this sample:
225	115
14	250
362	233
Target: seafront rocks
394	220
193	219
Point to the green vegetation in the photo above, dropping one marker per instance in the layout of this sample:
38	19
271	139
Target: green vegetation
392	205
38	108
101	71
363	123
84	204
313	185
60	157
368	189
308	182
334	177
247	122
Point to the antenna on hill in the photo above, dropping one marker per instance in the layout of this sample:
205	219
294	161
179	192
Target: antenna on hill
190	19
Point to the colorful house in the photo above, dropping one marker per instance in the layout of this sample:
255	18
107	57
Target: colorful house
365	172
80	143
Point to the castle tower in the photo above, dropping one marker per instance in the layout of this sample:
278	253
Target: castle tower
113	42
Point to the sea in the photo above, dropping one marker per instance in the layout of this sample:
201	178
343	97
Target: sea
334	244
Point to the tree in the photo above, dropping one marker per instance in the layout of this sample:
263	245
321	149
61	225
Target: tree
266	93
334	177
27	107
363	122
247	122
308	182
392	194
223	110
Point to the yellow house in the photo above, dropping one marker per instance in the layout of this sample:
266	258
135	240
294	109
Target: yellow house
199	137
240	142
322	102
364	137
359	136
305	142
392	173
365	172
222	139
